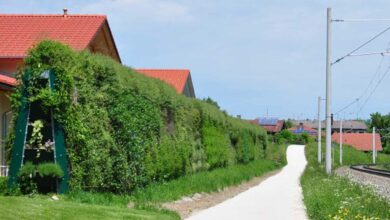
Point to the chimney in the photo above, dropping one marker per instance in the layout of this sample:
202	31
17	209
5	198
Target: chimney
65	12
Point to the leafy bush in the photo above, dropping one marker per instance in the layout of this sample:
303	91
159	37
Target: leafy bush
50	169
219	152
286	136
26	177
3	185
124	130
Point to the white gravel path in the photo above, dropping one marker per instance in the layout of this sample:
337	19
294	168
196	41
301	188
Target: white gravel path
278	197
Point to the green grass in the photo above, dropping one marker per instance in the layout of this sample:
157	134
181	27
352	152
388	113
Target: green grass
88	205
203	182
333	197
41	207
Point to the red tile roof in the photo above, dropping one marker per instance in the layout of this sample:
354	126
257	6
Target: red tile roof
174	77
18	33
10	81
360	141
274	128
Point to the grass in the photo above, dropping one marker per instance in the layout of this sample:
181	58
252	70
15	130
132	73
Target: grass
41	207
333	197
209	181
203	182
87	205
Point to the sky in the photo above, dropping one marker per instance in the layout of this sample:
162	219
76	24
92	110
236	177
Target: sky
254	57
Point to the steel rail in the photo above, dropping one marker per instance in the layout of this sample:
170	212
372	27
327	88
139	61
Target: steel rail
367	169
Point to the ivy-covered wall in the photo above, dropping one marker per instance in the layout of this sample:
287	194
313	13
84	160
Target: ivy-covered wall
124	130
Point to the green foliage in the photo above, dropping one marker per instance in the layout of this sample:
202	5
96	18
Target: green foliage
205	181
26	177
333	197
382	125
50	169
217	146
3	185
124	130
36	136
288	124
286	136
211	102
29	171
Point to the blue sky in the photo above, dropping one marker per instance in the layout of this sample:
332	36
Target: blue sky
250	56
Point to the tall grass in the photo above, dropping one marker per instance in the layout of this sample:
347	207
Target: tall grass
206	181
333	197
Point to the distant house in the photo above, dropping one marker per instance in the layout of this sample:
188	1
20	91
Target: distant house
179	79
349	126
271	124
301	128
359	141
20	32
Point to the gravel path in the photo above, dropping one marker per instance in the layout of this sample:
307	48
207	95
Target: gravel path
278	197
378	183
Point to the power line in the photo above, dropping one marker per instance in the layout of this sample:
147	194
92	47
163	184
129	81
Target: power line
360	19
364	44
377	71
376	86
347	106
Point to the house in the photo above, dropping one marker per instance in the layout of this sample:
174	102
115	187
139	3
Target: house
349	126
359	141
271	124
301	128
20	32
179	79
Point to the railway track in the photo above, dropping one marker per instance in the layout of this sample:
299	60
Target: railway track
368	168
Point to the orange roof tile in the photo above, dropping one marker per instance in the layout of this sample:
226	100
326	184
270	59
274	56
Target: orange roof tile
18	33
10	81
174	77
360	141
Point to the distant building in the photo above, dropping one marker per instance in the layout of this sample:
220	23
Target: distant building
179	79
301	128
359	141
349	126
272	124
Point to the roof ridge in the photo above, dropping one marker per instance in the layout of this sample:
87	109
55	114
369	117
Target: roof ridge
53	15
168	69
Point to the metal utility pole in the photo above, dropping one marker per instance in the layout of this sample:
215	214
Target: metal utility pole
319	153
341	142
328	158
373	146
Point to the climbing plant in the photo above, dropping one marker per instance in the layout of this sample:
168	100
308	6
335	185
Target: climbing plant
124	130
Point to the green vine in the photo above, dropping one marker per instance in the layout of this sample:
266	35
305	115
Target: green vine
124	130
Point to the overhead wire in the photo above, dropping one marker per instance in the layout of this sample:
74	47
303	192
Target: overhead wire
377	71
361	46
376	86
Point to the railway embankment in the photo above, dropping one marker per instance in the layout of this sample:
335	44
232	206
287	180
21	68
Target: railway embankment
380	184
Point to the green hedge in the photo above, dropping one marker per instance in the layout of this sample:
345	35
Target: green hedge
124	130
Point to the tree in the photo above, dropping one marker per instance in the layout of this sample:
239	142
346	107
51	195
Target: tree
212	102
382	126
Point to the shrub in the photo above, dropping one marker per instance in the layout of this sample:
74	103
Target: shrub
50	169
3	185
217	146
26	178
124	130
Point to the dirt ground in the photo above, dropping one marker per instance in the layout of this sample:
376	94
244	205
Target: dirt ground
187	206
